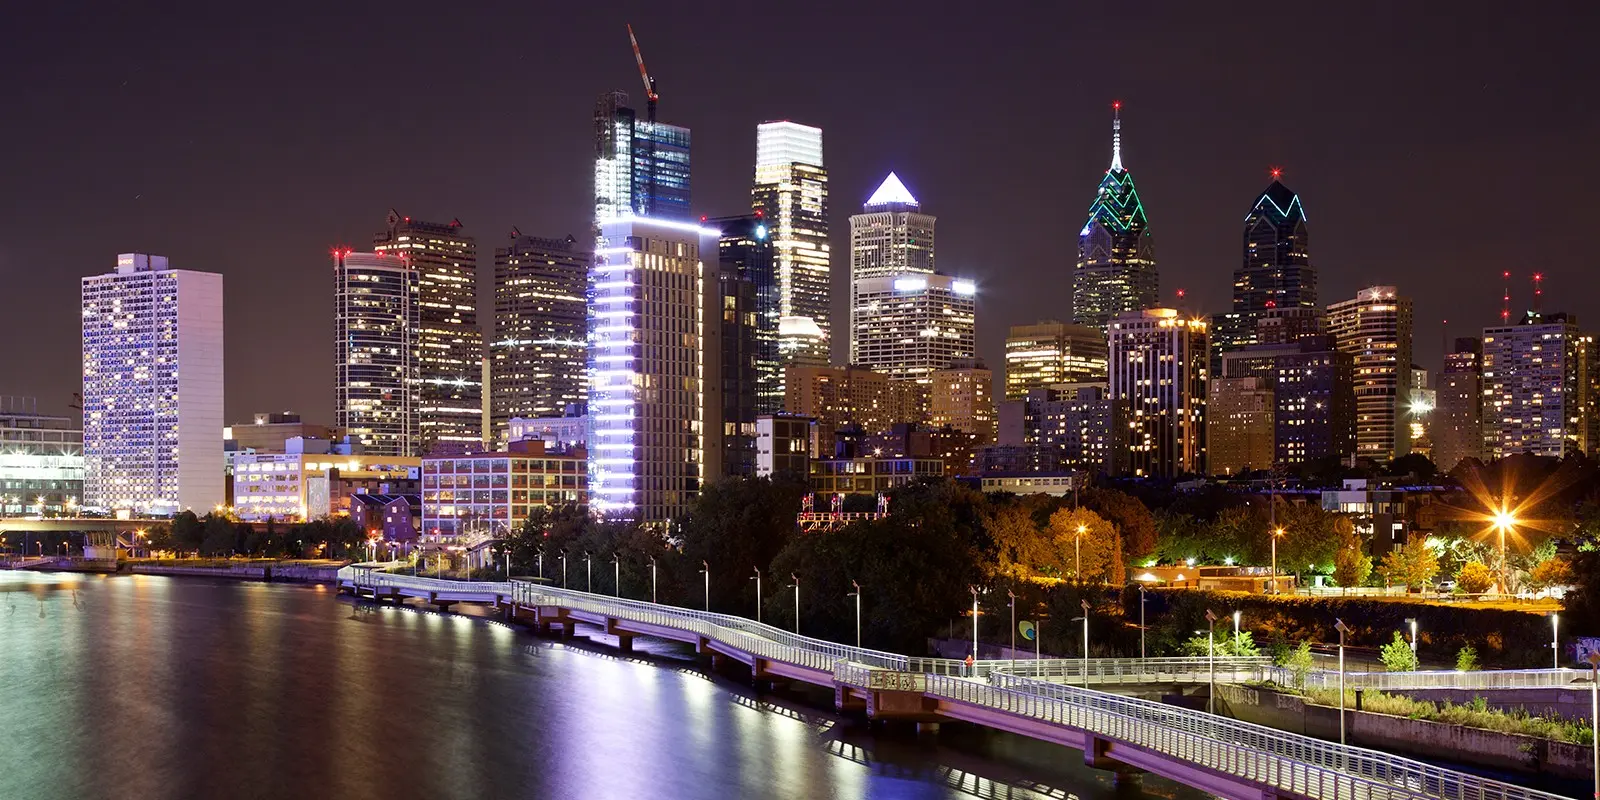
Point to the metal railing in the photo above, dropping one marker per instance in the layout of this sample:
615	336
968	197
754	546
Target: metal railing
1140	670
1251	753
1430	679
1255	753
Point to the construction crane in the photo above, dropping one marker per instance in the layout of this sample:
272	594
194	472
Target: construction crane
649	82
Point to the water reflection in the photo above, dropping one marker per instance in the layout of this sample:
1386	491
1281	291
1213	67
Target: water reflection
154	687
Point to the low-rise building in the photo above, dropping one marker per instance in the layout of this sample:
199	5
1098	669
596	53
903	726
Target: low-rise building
392	516
869	475
41	460
311	482
557	433
1055	484
783	445
486	494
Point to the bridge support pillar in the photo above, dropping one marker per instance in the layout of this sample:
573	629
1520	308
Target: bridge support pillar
1094	753
624	643
927	728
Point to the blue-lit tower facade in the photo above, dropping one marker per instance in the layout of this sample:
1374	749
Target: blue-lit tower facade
653	399
1116	268
1275	279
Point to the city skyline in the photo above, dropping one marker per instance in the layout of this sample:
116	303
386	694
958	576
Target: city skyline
169	189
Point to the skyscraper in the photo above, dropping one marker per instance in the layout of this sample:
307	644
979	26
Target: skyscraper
747	252
1239	426
912	324
890	237
448	400
375	326
1159	363
641	166
1314	413
962	397
1047	353
537	352
152	387
652	447
1116	269
838	397
1276	273
1458	412
791	195
1375	329
1535	387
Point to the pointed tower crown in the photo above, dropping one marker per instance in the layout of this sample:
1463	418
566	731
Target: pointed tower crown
1116	137
891	192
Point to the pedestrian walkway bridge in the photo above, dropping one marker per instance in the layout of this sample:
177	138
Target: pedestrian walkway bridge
1214	754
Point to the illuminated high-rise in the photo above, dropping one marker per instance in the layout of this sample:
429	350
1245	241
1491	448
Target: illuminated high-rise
1159	363
448	401
1536	387
1276	274
1375	329
890	237
152	387
537	352
641	166
653	398
909	325
1116	268
375	325
1458	409
1049	353
791	195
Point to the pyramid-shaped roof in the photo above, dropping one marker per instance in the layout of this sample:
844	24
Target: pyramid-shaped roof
891	192
1280	202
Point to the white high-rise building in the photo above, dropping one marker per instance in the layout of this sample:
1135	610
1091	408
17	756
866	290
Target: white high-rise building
653	389
1158	364
791	193
1536	387
376	318
909	325
890	237
152	387
1375	328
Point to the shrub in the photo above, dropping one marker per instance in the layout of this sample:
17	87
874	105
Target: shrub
1397	655
1299	663
1467	659
1226	645
1474	578
1476	714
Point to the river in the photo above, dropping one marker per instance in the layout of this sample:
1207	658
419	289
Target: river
158	687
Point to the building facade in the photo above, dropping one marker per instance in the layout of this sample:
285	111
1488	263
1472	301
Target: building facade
962	397
152	387
1314	415
748	305
492	493
1049	353
305	486
908	326
641	166
791	194
537	353
1536	387
890	237
1116	268
41	460
375	323
1375	329
869	475
1158	366
447	399
839	397
1066	426
1458	409
1276	273
1240	432
651	448
783	445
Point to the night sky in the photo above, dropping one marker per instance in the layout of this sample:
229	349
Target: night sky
1433	148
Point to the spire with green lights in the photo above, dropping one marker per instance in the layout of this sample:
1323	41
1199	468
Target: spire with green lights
1116	267
1116	205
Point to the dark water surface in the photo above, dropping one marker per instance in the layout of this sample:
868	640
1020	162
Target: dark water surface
154	687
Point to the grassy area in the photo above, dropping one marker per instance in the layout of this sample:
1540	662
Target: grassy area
1476	714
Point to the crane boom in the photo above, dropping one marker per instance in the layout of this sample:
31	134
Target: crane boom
644	74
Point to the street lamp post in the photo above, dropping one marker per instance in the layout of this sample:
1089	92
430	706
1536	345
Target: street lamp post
1077	561
588	568
616	575
1013	605
1085	604
1555	649
1504	520
563	569
796	601
1277	533
1141	622
757	579
705	569
1412	621
857	595
1236	614
1211	661
974	591
653	580
1338	624
541	563
1594	712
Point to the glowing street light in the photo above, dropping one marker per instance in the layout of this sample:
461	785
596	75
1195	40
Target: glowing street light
1077	561
1504	521
757	579
1277	533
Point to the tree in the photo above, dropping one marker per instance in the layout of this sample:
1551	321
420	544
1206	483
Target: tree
1351	566
1016	545
1397	656
1227	645
1299	662
1132	519
1082	537
1467	659
1552	572
188	532
1474	578
1413	464
1311	537
1412	565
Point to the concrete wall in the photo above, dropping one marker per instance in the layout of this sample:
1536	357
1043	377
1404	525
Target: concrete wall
293	573
1407	737
1572	703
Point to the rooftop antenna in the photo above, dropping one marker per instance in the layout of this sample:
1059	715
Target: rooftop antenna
1116	136
1538	292
1505	298
649	82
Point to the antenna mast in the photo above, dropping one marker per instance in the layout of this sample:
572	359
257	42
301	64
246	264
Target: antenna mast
649	82
1505	298
1538	292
